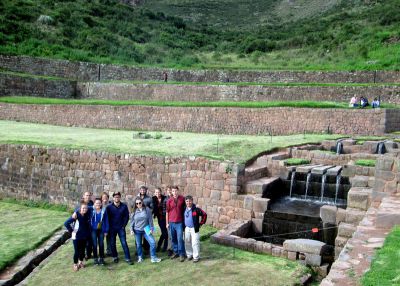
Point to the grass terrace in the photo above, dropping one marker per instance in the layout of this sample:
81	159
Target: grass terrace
366	163
220	265
24	228
238	148
234	104
385	267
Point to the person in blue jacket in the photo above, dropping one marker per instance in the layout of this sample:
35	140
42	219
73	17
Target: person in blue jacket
118	218
100	228
79	228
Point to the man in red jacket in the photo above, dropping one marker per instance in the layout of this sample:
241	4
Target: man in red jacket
174	217
192	224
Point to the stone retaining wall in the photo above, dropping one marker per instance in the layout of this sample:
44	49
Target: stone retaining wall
172	92
61	176
279	121
12	85
90	71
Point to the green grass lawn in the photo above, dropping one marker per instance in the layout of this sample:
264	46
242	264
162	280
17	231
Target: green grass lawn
385	267
219	265
239	104
237	148
23	228
365	162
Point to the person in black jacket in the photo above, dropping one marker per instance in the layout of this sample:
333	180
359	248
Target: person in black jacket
79	228
159	204
118	218
191	226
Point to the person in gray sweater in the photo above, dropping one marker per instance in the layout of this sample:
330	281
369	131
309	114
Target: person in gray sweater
142	226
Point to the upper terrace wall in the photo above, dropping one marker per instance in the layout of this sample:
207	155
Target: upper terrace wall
175	92
254	121
93	72
61	176
12	85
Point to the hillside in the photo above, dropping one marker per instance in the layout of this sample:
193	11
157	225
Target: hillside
249	34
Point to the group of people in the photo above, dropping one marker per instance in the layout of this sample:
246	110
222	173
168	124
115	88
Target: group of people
363	102
179	220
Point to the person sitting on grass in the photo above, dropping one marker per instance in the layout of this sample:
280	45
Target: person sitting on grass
364	102
375	103
142	226
192	224
80	233
99	225
353	101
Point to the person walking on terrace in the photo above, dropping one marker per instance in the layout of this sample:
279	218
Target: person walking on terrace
79	228
174	217
118	216
142	226
192	224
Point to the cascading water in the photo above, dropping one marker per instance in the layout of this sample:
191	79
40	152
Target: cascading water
339	148
307	184
292	182
338	179
380	148
323	186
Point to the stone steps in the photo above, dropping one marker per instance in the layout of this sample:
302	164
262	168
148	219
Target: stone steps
257	186
359	249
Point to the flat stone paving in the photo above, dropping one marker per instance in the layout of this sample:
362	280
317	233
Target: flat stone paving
356	257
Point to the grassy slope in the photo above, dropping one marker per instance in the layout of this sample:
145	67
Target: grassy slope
220	265
273	34
239	104
385	268
24	228
238	148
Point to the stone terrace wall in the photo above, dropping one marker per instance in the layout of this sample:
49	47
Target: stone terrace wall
392	120
94	72
281	120
12	85
170	92
387	176
60	176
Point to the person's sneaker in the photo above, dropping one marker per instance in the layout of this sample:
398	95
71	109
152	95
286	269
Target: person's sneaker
182	259
189	258
155	260
140	260
173	256
196	260
101	262
115	259
95	261
129	261
75	267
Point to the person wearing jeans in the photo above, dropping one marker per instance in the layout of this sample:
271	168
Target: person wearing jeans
142	226
99	225
192	226
118	217
159	201
174	216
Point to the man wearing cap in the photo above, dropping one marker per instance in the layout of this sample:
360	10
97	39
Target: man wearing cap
118	217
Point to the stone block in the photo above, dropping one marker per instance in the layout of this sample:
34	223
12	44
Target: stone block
304	246
224	219
267	248
258	247
313	259
340	215
328	214
340	241
260	205
354	216
276	251
359	181
321	271
257	225
359	199
388	218
248	202
384	175
292	255
215	195
346	230
241	243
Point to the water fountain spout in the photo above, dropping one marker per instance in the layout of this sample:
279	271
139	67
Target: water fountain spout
339	148
380	149
307	184
323	186
292	181
338	179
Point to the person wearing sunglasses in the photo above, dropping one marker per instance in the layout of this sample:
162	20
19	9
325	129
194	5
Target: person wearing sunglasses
142	226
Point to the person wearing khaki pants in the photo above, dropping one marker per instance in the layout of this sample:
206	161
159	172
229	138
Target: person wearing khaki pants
192	224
